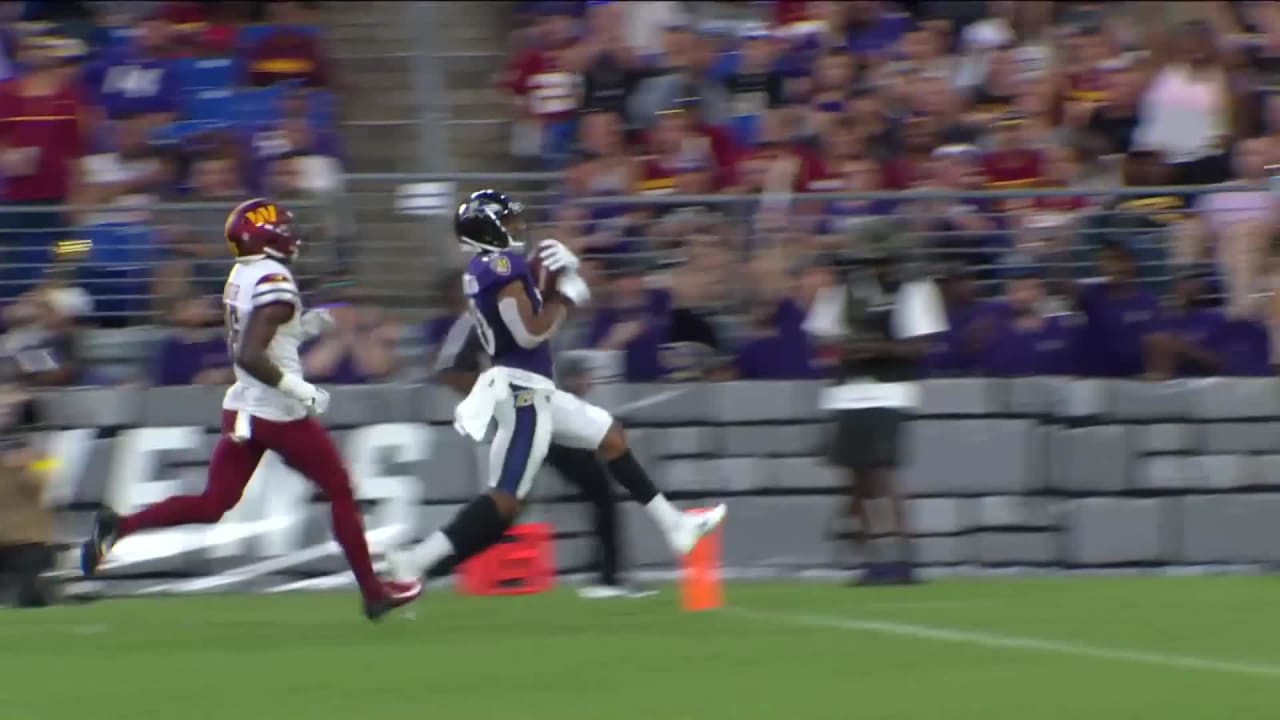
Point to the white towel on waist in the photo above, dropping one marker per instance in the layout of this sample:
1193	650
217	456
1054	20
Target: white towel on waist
473	414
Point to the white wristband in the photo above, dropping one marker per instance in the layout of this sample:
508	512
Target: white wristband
296	388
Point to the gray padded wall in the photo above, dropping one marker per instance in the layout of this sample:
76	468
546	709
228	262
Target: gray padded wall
1045	471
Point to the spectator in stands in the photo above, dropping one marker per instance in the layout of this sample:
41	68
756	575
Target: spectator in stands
754	85
1115	118
1010	162
1028	340
693	347
997	95
126	184
189	259
1123	319
833	75
684	81
140	79
544	86
292	51
194	350
1186	112
611	69
42	335
630	318
964	230
1203	340
1146	224
297	131
42	126
910	168
971	323
776	347
603	166
1235	227
316	185
361	347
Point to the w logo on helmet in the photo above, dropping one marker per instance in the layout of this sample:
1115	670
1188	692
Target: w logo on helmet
262	216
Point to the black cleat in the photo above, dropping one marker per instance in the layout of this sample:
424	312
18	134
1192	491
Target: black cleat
106	530
395	594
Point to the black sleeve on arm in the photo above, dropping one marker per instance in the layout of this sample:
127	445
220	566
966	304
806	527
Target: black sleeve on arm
466	358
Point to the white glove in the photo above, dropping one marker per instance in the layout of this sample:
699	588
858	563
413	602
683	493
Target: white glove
556	257
316	399
317	322
573	288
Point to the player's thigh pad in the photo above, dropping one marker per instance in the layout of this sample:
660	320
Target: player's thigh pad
577	423
520	444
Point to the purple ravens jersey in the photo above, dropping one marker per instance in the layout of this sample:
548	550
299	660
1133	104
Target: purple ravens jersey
487	274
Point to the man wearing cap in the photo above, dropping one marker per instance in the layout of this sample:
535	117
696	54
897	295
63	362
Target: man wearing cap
877	319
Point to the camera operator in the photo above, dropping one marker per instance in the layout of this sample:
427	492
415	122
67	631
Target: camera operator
26	525
873	322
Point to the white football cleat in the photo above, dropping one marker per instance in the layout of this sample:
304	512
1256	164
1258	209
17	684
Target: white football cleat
697	526
609	592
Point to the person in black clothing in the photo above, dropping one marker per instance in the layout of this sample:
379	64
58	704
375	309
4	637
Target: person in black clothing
458	368
26	525
876	323
1115	119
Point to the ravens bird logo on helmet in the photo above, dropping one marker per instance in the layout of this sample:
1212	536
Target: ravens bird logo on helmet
489	221
261	228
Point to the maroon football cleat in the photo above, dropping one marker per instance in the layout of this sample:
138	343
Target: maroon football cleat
395	594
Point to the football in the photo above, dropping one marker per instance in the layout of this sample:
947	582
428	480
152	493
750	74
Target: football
543	279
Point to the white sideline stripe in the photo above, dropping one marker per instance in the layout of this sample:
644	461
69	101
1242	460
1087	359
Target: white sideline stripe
1012	642
380	537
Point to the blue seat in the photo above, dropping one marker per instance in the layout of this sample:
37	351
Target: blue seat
253	34
206	73
259	106
323	111
211	105
118	271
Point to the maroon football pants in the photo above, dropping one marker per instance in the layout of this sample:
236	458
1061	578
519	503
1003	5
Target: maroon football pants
304	446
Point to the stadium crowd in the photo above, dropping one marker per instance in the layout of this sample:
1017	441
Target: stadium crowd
126	131
127	106
645	99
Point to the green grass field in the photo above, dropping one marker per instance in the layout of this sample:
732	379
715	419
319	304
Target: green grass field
1166	648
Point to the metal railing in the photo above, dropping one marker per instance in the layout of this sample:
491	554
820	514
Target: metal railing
393	234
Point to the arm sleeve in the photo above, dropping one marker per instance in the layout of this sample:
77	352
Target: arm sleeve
461	349
919	311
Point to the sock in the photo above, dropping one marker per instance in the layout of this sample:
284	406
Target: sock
628	473
430	552
665	514
474	528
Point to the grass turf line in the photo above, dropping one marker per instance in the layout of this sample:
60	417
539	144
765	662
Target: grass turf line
555	657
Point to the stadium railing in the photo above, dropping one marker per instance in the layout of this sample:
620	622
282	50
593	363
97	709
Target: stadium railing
392	232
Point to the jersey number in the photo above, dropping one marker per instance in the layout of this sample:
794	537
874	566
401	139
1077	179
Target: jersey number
470	287
231	317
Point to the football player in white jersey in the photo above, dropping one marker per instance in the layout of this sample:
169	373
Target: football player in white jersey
270	406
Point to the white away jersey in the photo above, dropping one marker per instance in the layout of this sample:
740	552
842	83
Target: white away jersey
251	285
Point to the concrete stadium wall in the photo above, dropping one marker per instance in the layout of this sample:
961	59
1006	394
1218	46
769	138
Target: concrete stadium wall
1041	471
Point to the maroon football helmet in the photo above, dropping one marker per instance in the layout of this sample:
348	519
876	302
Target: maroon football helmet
261	228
